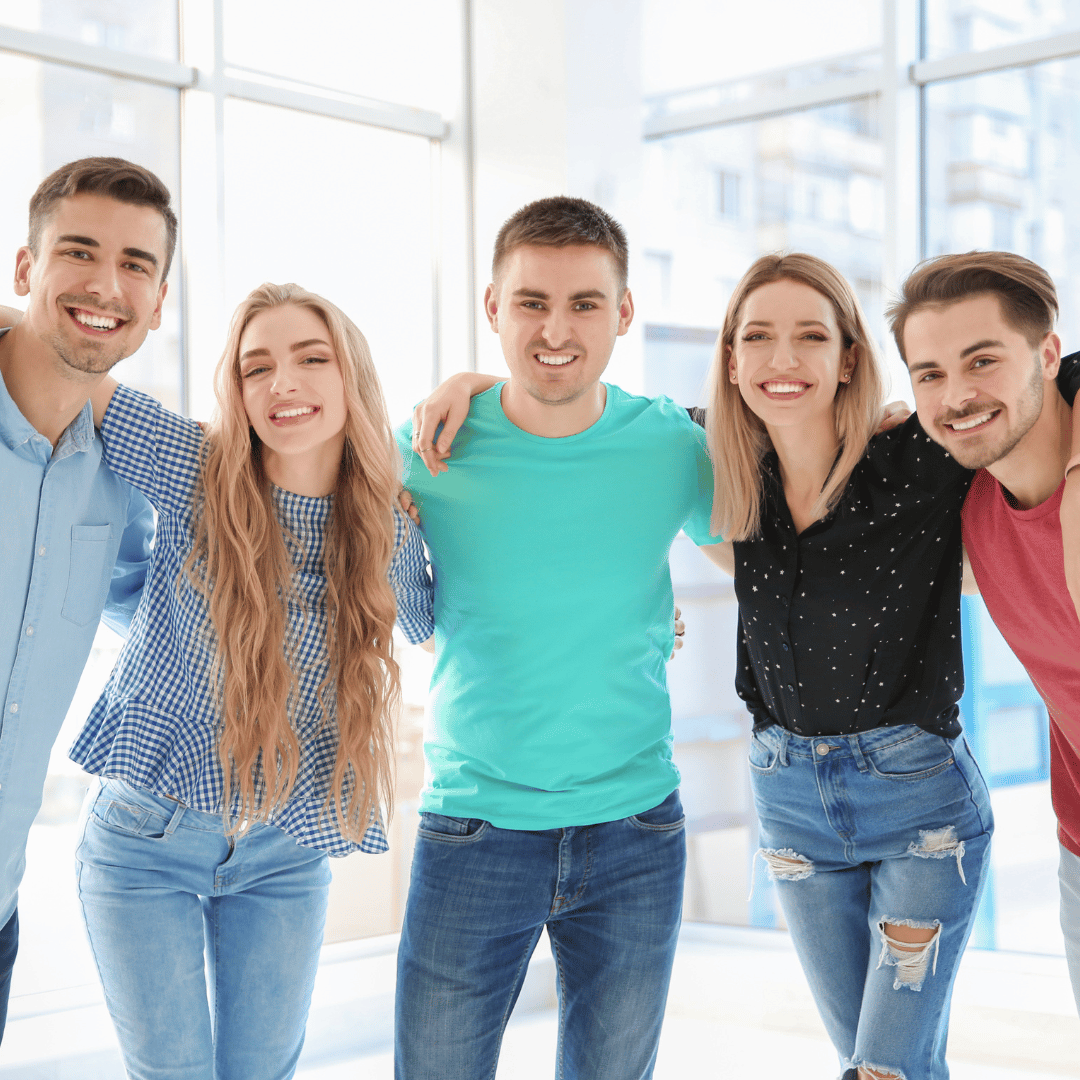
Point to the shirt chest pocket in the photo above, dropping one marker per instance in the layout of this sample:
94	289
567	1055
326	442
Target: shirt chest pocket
93	552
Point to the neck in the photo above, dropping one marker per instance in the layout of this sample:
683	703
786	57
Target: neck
314	474
1033	469
806	454
46	391
553	421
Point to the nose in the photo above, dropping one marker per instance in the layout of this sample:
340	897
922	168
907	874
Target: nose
783	356
958	392
103	280
284	380
556	329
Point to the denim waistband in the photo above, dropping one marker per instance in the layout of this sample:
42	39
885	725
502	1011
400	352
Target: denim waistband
854	746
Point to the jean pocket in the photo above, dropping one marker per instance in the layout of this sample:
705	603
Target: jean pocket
665	817
764	757
126	816
452	830
917	757
90	564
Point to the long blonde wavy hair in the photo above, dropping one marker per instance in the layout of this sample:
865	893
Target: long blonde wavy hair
241	566
737	438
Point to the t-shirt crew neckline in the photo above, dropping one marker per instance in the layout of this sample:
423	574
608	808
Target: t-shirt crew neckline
562	440
1049	505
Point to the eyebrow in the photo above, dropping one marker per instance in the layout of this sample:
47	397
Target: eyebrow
986	343
292	348
801	322
585	294
89	241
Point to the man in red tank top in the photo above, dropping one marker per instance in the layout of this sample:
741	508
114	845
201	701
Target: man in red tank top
976	332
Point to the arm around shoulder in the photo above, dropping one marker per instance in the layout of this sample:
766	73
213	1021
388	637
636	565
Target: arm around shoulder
447	404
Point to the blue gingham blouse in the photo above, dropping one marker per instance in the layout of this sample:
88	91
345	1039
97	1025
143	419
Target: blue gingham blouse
154	725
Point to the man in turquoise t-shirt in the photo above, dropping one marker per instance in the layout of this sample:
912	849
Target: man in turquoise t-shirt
551	797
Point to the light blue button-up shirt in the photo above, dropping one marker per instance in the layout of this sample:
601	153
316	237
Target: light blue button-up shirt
74	539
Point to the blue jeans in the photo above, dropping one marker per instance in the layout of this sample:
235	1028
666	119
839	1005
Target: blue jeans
1069	880
9	946
610	896
207	947
890	826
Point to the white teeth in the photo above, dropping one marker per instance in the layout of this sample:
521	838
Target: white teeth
555	361
975	421
303	410
96	322
784	387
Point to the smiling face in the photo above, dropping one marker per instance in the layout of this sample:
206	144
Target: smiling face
95	283
294	394
558	311
789	356
978	382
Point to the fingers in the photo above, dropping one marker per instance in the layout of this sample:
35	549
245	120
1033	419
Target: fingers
680	629
405	501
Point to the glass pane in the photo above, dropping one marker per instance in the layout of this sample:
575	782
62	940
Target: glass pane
344	210
955	26
691	43
1001	166
392	52
148	27
808	181
57	114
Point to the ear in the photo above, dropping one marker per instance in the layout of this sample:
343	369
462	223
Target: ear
849	363
626	313
24	264
491	307
1050	355
155	321
729	360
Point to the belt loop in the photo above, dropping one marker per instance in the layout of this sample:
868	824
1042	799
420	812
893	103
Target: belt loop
174	821
856	752
781	752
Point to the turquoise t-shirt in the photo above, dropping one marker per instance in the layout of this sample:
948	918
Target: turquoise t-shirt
554	611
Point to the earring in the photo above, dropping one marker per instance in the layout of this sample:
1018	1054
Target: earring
846	377
733	377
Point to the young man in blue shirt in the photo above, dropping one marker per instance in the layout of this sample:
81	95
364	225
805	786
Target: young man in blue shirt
75	538
551	798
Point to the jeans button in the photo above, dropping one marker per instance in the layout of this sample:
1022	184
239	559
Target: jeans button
822	749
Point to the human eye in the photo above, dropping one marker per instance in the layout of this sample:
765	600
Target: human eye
255	369
532	305
929	376
983	361
315	358
79	253
754	335
584	305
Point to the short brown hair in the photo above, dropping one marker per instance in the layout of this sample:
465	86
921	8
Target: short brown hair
1025	290
561	221
119	179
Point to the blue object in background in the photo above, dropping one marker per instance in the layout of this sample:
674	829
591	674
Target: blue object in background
1006	724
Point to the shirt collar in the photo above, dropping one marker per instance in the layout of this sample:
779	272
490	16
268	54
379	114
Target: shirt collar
16	430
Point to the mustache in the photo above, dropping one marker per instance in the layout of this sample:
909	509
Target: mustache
950	416
84	300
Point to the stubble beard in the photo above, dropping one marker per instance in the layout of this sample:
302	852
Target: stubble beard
1027	410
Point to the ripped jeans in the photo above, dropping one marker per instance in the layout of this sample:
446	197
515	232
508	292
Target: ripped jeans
888	826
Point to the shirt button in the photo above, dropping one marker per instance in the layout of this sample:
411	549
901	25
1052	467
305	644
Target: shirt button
784	646
29	631
41	550
823	749
791	689
14	707
784	601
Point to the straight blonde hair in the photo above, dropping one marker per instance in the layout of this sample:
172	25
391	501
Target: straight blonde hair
240	564
737	438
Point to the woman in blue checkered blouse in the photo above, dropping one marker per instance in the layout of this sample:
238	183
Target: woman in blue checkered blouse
245	733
